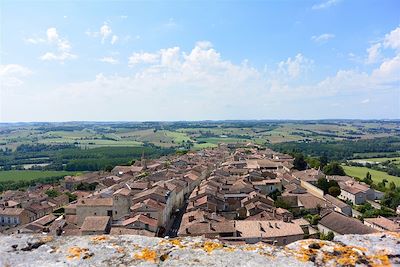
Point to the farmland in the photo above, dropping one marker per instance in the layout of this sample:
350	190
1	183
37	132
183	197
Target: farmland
27	175
88	146
377	176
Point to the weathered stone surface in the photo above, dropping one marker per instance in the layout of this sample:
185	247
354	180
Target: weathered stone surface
29	250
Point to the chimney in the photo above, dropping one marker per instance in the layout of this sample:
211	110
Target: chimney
270	225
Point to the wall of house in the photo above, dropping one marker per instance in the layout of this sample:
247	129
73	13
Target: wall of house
121	205
325	230
312	189
84	211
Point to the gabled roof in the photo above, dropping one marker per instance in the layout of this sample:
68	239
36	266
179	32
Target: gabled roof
95	223
342	224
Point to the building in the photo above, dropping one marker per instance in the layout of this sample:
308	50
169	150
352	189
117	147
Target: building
340	206
340	224
383	224
273	232
96	225
15	216
93	207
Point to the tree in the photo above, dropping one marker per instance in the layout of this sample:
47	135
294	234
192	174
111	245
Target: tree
108	168
299	162
71	197
392	186
368	179
334	191
329	236
334	168
323	160
52	193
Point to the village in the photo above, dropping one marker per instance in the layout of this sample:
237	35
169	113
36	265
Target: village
237	193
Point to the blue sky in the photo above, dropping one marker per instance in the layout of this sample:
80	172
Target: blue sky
197	60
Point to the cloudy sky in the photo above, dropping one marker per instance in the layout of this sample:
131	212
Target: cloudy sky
198	60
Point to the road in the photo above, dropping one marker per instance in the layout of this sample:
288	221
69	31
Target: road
173	231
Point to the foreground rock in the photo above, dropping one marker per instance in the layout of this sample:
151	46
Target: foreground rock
349	250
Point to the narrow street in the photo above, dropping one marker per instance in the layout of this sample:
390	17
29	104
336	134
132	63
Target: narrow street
173	231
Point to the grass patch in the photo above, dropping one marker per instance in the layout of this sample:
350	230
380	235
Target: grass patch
377	176
28	175
203	145
395	160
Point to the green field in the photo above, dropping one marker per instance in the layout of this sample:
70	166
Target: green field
30	175
197	146
395	160
377	176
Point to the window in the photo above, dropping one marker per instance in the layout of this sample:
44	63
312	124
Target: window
109	213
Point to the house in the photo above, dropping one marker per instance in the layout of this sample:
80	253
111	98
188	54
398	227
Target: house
40	209
356	192
268	186
383	224
121	202
15	216
93	207
339	206
311	175
210	229
128	231
151	208
273	232
96	225
40	224
141	221
58	201
340	224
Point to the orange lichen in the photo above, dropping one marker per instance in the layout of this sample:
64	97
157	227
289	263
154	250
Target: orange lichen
210	246
341	255
120	249
100	238
76	252
176	242
229	249
46	239
250	248
147	255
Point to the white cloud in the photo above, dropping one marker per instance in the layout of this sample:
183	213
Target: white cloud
325	4
392	39
109	60
143	57
365	101
373	53
172	84
323	37
52	35
114	39
294	67
62	45
11	74
200	84
105	31
35	40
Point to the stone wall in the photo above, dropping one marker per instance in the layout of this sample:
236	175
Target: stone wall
381	249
